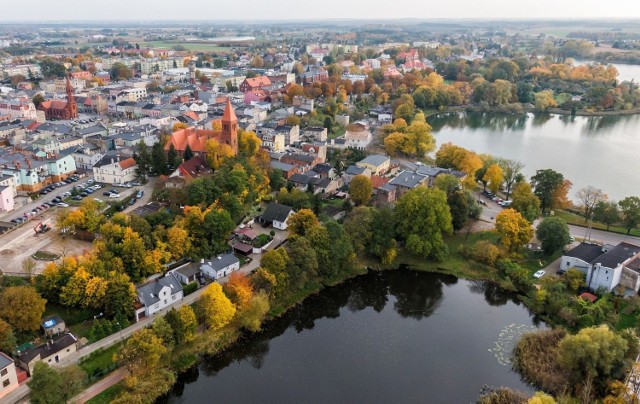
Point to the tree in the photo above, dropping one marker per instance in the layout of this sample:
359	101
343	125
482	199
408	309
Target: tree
469	165
159	160
606	212
37	100
357	226
120	295
248	143
164	331
592	352
360	189
253	314
173	158
525	201
590	196
218	309
179	126
7	338
459	208
511	170
302	266
143	159
545	184
422	216
239	290
184	323
188	153
141	352
544	100
450	156
554	234
217	153
300	222
383	243
120	71
630	212
51	386
514	229
494	176
22	307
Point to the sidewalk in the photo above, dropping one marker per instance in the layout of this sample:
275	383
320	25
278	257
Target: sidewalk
97	388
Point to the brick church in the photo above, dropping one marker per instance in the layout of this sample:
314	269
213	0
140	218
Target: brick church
197	138
58	109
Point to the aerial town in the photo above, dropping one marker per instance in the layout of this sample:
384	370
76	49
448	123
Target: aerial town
180	204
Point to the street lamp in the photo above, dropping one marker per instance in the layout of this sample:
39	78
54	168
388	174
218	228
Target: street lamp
120	331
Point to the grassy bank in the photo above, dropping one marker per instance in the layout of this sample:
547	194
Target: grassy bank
577	220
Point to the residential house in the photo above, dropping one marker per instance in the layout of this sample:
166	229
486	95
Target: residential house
354	170
303	103
8	191
220	266
115	168
52	351
187	273
53	325
607	267
287	169
255	83
313	76
357	136
276	215
158	294
291	133
378	164
406	181
314	134
8	375
304	162
272	141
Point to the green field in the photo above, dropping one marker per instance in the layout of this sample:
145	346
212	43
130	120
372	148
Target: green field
189	46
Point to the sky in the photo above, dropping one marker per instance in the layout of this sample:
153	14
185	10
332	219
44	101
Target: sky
216	10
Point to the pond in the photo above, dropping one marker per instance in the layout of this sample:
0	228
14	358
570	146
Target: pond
395	336
599	151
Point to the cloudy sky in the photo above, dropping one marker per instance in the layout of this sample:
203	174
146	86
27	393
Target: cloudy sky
214	10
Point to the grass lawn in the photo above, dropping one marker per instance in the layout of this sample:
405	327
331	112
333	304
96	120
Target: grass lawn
44	256
572	218
70	315
100	361
108	395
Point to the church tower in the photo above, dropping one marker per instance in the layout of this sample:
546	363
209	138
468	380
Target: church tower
72	105
230	127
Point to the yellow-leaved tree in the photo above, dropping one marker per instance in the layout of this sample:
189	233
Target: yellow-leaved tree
218	309
494	176
514	229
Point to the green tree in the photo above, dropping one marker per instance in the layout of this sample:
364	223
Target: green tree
143	159
37	100
545	184
459	208
159	159
383	243
630	212
173	158
120	295
360	190
512	171
120	71
422	216
274	263
448	183
554	234
188	153
50	386
606	212
164	331
26	297
184	323
525	201
252	316
593	352
357	225
303	263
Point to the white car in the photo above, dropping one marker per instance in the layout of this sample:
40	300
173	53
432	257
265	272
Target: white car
539	274
63	205
114	196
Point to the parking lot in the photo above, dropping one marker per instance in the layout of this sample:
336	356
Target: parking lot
23	239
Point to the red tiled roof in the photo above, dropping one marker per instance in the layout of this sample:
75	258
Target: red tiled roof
127	163
377	182
229	114
588	296
259	81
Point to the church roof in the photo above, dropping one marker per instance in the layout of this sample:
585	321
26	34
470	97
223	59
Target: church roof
229	114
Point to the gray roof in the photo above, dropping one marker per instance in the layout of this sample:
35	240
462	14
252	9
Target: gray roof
46	350
5	361
617	255
189	270
375	159
586	252
276	211
282	166
220	262
300	178
148	294
408	179
355	170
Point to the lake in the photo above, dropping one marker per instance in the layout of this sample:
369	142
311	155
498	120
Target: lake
625	72
601	151
396	336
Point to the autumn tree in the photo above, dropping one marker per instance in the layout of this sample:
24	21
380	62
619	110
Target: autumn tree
469	165
494	177
183	323
544	100
142	351
22	307
239	290
554	234
589	197
515	231
525	201
360	189
512	171
422	216
630	212
301	221
218	309
217	153
162	329
254	312
248	143
7	338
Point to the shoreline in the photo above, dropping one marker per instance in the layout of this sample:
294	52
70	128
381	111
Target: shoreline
525	110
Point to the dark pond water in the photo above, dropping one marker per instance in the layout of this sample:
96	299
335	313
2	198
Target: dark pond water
398	336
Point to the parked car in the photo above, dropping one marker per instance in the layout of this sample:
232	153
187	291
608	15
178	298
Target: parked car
68	180
44	191
139	194
89	191
136	184
114	191
539	274
63	205
113	196
90	181
107	193
77	198
66	194
132	201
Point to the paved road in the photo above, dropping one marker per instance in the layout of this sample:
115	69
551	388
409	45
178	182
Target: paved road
97	388
601	236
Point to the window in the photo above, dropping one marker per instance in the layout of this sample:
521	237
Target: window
68	350
173	297
568	263
3	372
6	383
165	301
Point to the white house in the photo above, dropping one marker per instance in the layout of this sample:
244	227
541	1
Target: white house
156	295
51	352
220	266
8	375
277	215
115	168
606	267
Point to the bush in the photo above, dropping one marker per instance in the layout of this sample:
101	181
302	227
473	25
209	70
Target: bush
536	360
190	288
484	252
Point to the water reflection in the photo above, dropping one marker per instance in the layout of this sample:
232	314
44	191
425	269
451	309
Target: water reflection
476	120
